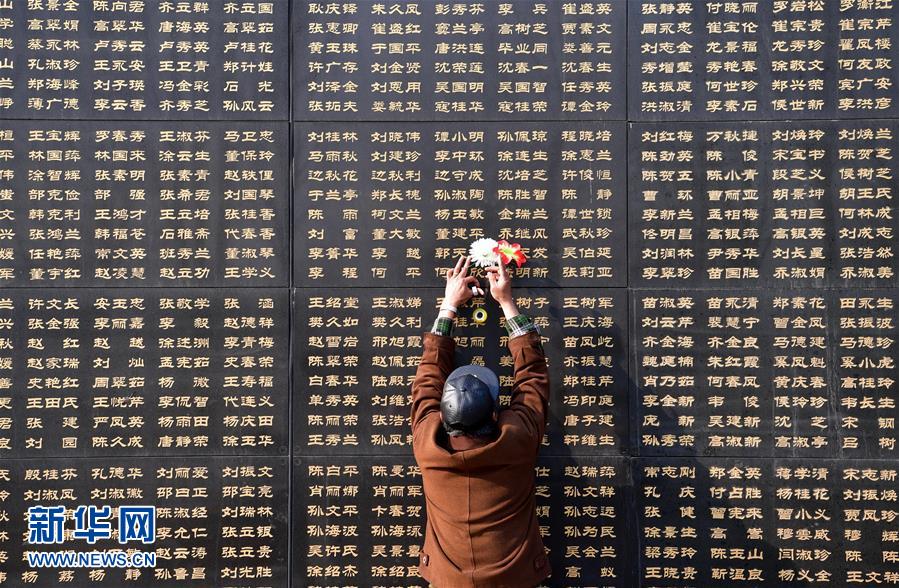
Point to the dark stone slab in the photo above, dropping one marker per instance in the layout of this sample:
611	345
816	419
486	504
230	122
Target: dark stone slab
761	60
762	204
144	204
130	60
361	521
518	60
395	204
115	372
708	522
764	373
220	521
357	351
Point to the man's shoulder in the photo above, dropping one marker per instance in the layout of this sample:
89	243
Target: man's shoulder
512	421
515	435
424	437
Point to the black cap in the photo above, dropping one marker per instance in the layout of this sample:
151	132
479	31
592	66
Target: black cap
469	399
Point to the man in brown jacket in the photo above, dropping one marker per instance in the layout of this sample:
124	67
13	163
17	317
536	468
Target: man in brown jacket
477	462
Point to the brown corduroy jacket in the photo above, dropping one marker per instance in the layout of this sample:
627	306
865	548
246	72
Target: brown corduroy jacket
481	527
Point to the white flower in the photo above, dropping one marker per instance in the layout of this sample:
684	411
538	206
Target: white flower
482	254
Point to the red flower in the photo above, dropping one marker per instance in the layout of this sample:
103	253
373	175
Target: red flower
509	252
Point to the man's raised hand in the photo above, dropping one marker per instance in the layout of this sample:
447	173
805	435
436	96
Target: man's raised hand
501	289
458	283
500	284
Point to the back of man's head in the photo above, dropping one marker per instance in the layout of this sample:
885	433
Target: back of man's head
470	398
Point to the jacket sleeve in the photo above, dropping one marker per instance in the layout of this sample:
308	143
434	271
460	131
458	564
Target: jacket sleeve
436	363
530	386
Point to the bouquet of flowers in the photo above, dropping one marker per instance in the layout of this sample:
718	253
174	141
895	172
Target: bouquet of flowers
487	252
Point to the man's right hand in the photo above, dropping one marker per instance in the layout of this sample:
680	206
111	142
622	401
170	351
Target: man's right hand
501	288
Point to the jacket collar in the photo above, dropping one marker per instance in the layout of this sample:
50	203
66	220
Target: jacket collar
464	442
